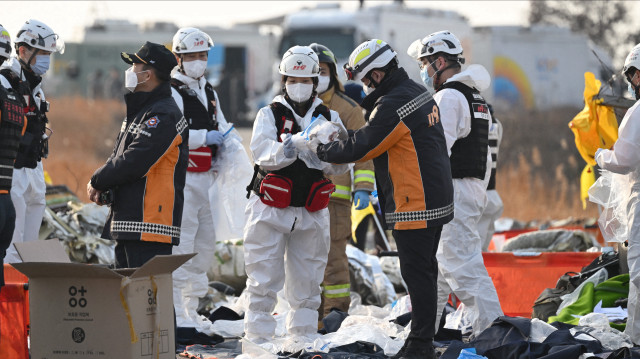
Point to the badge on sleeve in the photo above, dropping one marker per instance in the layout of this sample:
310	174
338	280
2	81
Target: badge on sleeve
152	122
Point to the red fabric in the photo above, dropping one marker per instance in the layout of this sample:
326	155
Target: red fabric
199	159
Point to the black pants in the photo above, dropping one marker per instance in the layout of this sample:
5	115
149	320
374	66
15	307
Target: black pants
133	254
419	269
7	224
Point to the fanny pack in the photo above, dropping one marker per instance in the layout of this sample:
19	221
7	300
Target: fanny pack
275	190
319	195
200	159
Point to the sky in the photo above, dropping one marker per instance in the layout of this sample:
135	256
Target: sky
68	17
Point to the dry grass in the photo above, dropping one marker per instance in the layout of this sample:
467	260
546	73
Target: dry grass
82	140
538	173
539	166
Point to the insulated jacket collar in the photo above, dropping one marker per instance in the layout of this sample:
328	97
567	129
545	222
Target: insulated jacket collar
390	81
137	100
14	64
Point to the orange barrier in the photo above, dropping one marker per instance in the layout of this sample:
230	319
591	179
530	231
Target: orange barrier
499	238
519	280
14	315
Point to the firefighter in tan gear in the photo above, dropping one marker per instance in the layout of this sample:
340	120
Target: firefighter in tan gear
336	286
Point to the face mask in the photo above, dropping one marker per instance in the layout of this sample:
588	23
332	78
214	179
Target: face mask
428	80
367	90
42	64
323	83
131	79
194	69
299	92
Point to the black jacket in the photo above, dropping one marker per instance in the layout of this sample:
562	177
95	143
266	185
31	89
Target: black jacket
405	139
147	170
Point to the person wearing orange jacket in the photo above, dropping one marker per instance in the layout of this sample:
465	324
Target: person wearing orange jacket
336	286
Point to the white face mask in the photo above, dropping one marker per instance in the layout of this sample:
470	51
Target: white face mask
131	79
367	90
323	83
194	69
299	92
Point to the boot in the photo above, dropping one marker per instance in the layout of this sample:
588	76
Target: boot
419	353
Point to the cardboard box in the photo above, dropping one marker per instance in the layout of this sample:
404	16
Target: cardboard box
89	311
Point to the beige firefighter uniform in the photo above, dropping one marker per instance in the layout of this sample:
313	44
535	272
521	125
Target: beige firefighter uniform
336	286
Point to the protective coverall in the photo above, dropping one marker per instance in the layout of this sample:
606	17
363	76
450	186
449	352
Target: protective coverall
336	285
460	264
625	159
284	246
28	187
190	281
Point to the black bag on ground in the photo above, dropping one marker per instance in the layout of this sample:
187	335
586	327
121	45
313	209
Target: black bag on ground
549	300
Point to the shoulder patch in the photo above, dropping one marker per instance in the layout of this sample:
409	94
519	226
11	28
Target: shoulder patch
348	99
181	125
152	122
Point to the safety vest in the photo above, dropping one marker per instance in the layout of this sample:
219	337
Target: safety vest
34	144
199	117
11	124
469	154
298	172
493	145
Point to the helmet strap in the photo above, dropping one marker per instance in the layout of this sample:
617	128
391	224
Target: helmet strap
27	64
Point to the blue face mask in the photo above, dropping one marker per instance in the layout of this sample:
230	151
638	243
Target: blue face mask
428	80
42	64
632	92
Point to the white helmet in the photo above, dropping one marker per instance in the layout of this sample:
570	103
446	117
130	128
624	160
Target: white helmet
441	41
5	43
371	54
190	39
40	36
632	60
300	61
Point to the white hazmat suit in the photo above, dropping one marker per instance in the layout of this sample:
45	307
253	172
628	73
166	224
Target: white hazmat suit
625	159
461	268
198	234
28	188
494	208
284	246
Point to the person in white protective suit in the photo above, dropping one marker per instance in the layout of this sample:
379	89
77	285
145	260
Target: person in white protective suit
286	238
199	103
34	44
624	158
465	117
494	208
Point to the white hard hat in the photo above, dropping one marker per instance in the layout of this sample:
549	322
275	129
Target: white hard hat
632	60
371	54
300	61
441	41
5	43
190	39
40	36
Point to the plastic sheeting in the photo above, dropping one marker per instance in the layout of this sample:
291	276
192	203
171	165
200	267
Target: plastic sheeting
555	240
612	192
228	265
233	173
368	279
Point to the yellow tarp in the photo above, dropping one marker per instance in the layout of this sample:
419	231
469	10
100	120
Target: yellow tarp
587	179
595	126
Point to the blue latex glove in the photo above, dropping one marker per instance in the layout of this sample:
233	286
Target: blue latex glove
289	148
361	199
214	138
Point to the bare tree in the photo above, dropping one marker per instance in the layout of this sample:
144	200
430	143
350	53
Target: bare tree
596	19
